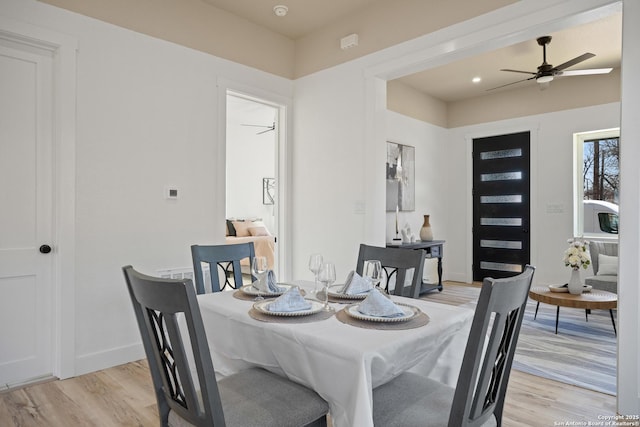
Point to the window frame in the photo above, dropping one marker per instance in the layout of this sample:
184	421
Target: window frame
578	187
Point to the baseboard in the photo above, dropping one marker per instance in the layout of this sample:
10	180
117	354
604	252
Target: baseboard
106	359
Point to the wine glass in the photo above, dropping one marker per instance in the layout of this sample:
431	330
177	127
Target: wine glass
327	276
259	267
315	263
373	270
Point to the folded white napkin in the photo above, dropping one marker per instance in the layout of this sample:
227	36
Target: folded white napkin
356	284
270	285
291	300
378	305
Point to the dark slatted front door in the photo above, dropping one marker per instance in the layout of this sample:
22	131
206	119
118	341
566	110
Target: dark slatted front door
501	177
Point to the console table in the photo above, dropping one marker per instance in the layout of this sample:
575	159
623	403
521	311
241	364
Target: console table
433	249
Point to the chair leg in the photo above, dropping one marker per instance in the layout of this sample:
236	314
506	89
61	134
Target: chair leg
536	313
557	317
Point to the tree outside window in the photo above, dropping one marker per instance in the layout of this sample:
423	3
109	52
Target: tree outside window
600	171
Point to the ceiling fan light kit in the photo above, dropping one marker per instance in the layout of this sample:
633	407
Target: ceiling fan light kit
547	72
280	10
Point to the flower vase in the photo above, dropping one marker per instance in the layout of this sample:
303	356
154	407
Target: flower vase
575	284
426	234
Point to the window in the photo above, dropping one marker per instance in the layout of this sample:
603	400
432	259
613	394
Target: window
597	180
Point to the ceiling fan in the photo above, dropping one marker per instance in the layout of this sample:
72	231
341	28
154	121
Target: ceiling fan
546	72
267	128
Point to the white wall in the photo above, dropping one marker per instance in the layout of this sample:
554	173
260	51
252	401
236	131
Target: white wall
328	169
443	181
147	117
551	184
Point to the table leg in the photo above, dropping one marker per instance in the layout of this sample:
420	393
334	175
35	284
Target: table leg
586	315
536	313
440	273
613	322
557	316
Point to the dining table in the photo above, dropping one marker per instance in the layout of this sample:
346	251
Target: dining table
343	363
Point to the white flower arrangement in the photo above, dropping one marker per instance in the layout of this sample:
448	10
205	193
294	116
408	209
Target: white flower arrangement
576	255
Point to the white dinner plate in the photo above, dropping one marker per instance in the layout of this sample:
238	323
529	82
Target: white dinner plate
250	290
564	288
409	313
334	291
263	307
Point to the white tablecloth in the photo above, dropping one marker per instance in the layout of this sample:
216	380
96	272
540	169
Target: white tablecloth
342	363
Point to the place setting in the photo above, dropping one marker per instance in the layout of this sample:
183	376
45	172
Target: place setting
378	311
290	305
266	285
369	306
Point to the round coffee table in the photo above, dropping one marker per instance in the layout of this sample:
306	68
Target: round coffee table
594	300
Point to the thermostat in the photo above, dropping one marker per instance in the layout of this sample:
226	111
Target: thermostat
171	193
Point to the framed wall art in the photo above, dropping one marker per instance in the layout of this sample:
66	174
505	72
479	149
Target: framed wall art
401	172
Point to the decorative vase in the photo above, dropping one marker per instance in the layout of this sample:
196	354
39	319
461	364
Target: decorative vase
575	284
426	234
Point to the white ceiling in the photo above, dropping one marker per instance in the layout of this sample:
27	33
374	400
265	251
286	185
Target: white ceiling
450	82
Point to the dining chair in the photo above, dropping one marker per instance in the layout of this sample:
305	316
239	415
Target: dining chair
478	398
396	262
182	371
223	259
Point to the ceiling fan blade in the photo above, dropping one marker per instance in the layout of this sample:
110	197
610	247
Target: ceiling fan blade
518	71
574	61
512	83
585	72
257	126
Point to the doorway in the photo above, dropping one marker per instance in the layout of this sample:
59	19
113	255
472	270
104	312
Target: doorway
252	145
501	205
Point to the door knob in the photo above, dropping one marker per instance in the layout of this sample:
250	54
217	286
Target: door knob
45	249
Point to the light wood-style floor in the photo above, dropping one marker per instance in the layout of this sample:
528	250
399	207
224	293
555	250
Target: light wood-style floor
123	395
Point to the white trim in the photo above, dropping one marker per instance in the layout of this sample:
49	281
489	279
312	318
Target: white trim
63	49
283	210
629	240
87	363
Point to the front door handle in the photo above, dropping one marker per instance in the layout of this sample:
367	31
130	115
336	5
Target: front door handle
45	249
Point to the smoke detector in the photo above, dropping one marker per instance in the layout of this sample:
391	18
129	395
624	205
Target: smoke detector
280	10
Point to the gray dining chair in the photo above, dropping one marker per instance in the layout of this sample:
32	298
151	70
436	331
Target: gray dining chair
478	398
179	360
396	262
223	259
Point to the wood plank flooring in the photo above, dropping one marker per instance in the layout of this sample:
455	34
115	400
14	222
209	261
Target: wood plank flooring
123	395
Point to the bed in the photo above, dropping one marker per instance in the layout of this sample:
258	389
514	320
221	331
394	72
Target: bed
252	230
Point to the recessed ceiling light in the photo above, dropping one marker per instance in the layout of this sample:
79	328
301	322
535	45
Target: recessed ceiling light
476	79
280	10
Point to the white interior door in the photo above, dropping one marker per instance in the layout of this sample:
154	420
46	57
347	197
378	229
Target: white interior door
26	294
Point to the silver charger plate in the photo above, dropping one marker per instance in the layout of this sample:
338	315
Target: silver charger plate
263	307
409	313
334	291
250	290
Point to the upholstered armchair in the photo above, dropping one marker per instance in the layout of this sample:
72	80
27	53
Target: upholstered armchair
604	260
